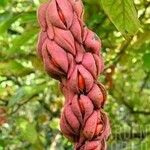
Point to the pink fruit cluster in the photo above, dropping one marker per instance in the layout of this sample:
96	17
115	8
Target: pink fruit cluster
71	54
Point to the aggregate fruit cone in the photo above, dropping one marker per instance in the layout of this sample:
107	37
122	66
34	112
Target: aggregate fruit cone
71	54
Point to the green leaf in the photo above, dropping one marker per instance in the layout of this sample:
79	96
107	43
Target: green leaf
8	18
146	61
6	23
28	17
25	93
22	39
123	15
27	130
13	68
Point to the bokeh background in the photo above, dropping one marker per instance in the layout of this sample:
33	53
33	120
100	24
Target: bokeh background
31	101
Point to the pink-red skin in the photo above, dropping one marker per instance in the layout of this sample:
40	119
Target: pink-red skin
71	53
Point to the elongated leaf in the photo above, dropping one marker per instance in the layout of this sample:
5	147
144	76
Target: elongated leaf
27	17
13	68
18	42
25	93
123	15
8	18
22	39
6	23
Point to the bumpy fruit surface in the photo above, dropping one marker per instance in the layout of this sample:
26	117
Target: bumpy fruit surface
71	54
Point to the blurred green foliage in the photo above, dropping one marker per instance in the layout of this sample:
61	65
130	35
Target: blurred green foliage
31	102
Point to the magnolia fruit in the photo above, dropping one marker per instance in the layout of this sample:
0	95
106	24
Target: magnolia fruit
71	53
